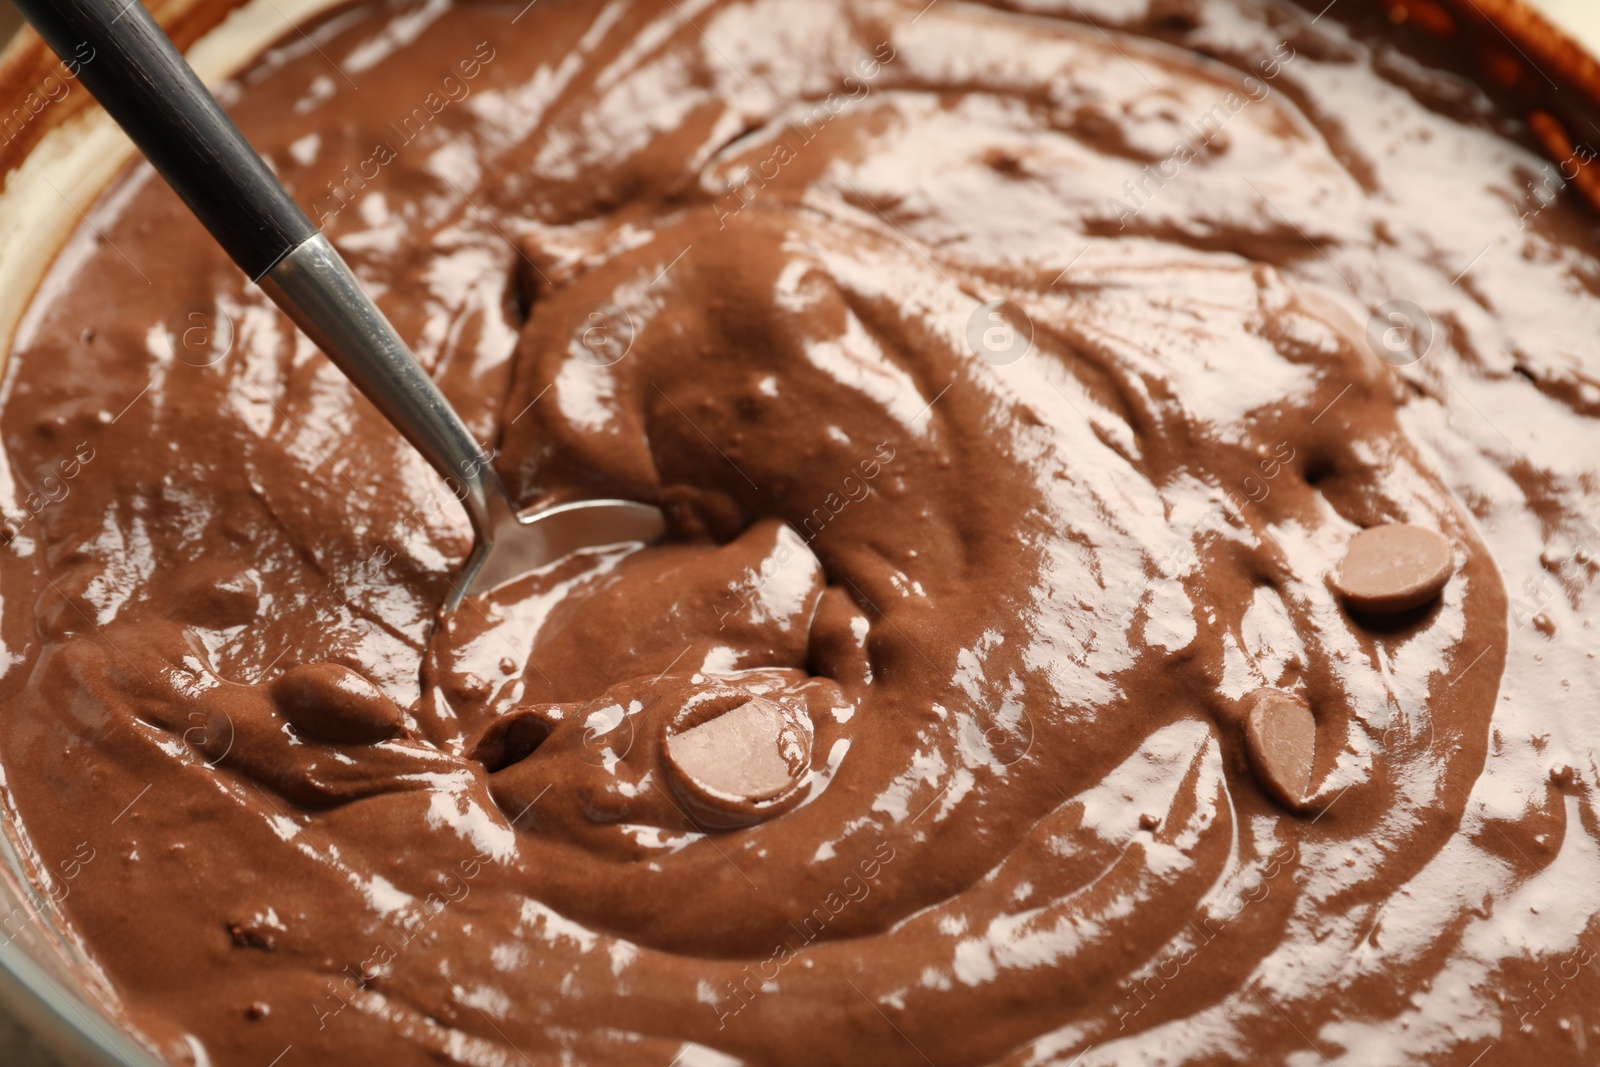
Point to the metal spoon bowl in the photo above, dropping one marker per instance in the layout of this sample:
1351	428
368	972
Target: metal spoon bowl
314	287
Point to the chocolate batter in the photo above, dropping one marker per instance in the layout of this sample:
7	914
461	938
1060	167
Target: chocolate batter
1012	688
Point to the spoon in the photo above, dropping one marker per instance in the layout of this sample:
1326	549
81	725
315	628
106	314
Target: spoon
144	83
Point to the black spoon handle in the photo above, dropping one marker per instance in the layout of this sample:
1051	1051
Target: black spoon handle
138	76
136	73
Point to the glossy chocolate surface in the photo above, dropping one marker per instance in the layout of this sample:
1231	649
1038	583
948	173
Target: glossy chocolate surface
1016	385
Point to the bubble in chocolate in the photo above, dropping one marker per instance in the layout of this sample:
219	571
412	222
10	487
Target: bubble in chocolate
999	332
330	702
600	333
727	767
201	332
1280	737
1391	569
1400	333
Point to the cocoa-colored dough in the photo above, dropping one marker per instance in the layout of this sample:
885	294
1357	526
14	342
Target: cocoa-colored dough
1014	385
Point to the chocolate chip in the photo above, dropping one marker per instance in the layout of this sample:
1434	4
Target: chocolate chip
1391	569
1280	736
749	754
328	702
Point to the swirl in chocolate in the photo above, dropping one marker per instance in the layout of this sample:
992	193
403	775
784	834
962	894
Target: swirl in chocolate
998	696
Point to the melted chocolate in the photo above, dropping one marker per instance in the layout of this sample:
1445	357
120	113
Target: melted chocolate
1015	389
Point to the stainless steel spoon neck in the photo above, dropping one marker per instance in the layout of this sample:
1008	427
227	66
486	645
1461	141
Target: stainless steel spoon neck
318	290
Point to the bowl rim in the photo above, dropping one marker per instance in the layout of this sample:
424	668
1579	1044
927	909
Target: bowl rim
71	134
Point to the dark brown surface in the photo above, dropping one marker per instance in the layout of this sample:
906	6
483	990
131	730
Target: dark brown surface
1007	467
